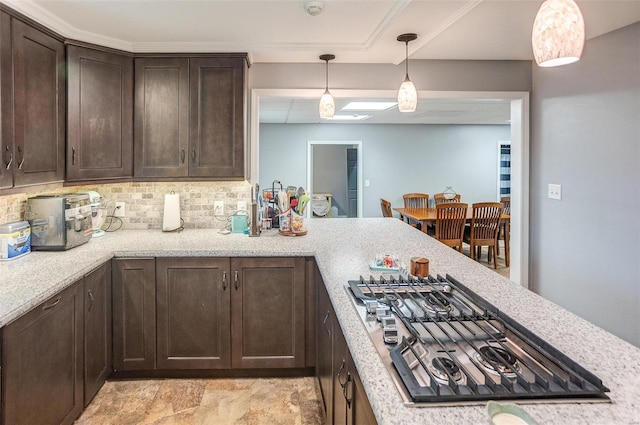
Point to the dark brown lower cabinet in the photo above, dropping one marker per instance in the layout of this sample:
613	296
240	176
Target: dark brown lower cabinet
345	400
97	330
193	313
134	314
324	347
43	362
268	312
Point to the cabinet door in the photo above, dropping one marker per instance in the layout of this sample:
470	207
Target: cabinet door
100	114
193	320
6	104
340	376
97	330
134	314
324	355
43	362
39	106
268	313
161	127
217	117
359	409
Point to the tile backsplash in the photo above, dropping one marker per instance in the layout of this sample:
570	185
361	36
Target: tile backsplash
144	202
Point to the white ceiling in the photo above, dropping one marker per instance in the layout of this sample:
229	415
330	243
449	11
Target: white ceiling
356	31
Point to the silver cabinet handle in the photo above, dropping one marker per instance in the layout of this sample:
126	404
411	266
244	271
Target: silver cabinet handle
92	300
193	154
182	155
73	156
324	323
224	281
344	363
53	304
10	159
349	384
235	279
22	160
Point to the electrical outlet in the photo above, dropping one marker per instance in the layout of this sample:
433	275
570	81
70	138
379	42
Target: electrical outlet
218	207
119	209
554	191
242	206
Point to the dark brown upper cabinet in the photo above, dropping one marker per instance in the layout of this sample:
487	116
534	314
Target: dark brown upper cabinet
216	131
6	104
32	99
100	114
189	117
161	138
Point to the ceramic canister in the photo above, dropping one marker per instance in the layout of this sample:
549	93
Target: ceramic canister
420	266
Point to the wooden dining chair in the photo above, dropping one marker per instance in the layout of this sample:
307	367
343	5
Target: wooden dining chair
483	231
450	221
415	200
503	232
386	208
441	198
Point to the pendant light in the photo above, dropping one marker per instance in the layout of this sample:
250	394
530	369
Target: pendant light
327	107
558	33
407	95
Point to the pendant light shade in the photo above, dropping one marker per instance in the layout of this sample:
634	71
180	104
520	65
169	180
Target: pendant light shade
558	33
407	94
327	106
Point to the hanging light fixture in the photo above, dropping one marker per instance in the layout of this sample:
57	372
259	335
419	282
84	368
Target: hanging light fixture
327	107
558	33
407	95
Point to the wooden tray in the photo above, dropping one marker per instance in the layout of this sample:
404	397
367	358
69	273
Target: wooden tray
289	233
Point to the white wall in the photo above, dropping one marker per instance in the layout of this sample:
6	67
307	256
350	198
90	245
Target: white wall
585	249
396	159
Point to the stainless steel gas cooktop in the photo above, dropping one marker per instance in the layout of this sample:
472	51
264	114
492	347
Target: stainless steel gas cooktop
443	344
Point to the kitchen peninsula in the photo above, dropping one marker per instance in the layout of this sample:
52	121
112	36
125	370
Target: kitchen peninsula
342	250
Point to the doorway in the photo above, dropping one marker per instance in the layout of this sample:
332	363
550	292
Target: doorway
519	155
334	174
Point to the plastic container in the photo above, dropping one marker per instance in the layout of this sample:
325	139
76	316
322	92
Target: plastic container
15	240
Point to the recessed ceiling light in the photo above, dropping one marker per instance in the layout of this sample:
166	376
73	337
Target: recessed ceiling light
368	106
354	117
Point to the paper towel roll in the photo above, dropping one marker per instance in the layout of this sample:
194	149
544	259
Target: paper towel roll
171	217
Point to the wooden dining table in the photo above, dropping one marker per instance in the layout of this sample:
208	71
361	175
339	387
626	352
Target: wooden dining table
427	217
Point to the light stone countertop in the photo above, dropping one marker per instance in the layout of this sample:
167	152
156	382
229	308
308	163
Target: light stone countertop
342	249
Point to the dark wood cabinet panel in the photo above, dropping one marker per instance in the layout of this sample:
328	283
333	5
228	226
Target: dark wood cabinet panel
217	117
324	354
344	397
193	313
100	114
134	314
361	412
39	106
268	313
161	128
42	362
340	377
6	104
97	330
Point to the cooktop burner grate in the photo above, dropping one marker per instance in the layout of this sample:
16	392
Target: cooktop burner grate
452	346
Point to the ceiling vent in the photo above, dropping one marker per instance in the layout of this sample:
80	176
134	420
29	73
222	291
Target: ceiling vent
314	8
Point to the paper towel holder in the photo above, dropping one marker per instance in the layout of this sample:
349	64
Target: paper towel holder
171	220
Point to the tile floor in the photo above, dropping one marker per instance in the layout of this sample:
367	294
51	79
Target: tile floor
220	401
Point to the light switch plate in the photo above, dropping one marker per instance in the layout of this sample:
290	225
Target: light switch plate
554	191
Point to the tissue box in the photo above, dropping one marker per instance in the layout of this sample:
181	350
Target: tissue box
15	240
239	223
